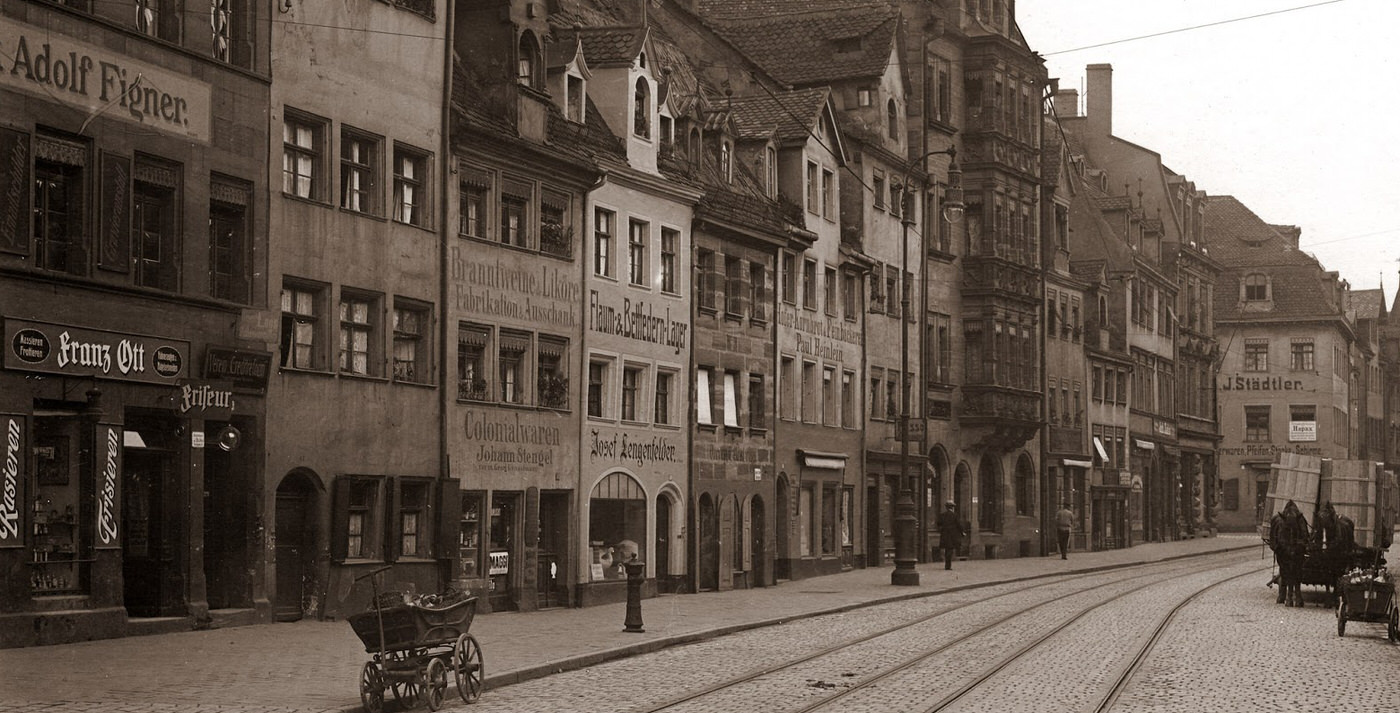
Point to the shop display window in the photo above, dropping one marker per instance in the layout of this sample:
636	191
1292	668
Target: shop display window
469	535
617	526
56	523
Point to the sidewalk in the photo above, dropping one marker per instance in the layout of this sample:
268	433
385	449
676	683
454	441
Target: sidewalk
314	666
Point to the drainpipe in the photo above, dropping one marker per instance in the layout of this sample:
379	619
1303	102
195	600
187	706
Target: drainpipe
448	169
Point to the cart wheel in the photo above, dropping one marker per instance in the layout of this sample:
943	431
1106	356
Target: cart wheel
408	693
372	688
1342	617
1392	628
435	683
469	668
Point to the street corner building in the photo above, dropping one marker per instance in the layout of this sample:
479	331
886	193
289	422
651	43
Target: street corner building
136	363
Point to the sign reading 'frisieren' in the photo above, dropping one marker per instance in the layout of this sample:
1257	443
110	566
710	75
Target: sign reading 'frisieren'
43	62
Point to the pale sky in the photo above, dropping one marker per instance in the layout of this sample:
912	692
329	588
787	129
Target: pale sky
1293	113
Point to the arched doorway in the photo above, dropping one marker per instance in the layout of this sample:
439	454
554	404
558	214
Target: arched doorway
295	535
962	498
756	549
780	531
989	493
709	544
663	542
935	494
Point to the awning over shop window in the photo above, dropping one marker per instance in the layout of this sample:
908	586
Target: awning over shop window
1098	446
1145	445
817	459
1075	463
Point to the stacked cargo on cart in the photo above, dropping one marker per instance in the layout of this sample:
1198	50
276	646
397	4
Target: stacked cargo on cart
1363	491
1293	477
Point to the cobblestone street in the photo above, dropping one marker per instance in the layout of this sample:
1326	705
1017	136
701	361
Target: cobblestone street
1024	635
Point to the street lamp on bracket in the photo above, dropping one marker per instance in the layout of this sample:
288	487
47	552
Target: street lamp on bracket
905	519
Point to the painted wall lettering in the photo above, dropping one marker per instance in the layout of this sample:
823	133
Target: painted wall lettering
1260	383
636	320
525	292
41	61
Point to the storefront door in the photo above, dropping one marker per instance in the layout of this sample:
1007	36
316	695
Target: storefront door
554	546
295	547
503	553
146	554
709	544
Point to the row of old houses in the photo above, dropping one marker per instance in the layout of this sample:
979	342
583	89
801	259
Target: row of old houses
507	294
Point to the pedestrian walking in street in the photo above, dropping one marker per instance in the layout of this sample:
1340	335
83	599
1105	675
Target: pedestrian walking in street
950	533
1064	522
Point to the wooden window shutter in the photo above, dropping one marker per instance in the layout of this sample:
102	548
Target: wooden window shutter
114	236
393	527
748	538
340	519
447	519
14	191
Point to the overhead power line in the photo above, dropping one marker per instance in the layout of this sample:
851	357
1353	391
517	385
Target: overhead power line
1193	27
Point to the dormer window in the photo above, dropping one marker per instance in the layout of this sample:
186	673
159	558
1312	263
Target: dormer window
642	60
667	131
770	156
641	109
692	146
528	64
864	97
575	98
726	159
1256	288
892	118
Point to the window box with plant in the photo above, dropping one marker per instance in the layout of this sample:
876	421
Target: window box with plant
557	239
554	391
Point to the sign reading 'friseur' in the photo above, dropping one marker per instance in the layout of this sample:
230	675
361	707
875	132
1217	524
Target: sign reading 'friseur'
100	81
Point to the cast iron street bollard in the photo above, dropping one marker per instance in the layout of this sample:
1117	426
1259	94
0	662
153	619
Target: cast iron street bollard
636	574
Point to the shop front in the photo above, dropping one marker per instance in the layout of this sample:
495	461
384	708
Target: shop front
134	485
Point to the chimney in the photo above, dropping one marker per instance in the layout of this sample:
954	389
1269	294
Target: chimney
1098	104
1066	103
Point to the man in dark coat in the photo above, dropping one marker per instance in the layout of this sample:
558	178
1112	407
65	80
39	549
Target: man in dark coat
950	533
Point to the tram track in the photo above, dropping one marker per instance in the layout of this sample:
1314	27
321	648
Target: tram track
1157	575
1125	674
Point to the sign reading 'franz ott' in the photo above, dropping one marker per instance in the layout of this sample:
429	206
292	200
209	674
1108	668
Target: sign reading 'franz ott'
45	63
76	351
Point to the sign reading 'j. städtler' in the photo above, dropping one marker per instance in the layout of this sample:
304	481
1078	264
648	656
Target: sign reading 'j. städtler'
48	64
76	351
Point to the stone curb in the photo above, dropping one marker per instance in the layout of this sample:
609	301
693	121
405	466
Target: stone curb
573	663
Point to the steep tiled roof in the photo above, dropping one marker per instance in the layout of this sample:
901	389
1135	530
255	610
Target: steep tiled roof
806	47
1368	304
794	113
1244	244
1237	236
606	46
758	8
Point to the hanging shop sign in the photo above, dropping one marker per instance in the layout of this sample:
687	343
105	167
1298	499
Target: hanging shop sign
76	351
247	370
109	483
44	62
210	400
12	479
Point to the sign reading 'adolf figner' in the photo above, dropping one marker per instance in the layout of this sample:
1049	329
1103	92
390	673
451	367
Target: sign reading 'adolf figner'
45	63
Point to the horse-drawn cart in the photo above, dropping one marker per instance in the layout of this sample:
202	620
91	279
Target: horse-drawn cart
1366	594
413	646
